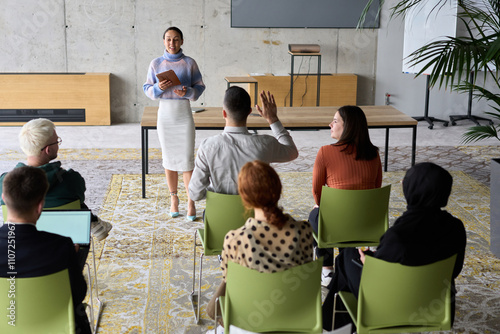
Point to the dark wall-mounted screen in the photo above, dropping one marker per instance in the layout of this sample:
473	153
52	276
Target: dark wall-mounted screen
302	13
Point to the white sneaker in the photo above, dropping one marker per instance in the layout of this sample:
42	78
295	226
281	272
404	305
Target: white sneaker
220	330
100	229
326	278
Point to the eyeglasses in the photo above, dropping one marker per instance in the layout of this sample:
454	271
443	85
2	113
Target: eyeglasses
59	141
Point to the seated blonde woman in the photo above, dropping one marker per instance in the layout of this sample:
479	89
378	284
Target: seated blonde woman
271	241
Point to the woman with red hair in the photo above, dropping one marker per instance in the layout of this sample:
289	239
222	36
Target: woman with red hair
271	241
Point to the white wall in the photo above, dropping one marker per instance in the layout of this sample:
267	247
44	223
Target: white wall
408	92
123	36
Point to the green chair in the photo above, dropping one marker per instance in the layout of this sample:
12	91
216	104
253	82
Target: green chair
352	218
222	213
37	304
75	205
76	225
287	301
394	298
344	330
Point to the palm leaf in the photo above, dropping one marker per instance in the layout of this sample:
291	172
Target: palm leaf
454	59
362	18
477	133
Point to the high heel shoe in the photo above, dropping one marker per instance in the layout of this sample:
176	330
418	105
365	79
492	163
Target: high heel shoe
188	217
174	214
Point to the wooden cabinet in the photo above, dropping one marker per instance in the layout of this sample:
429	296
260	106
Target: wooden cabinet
335	89
42	95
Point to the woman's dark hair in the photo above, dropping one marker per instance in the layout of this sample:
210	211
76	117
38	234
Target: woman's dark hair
355	135
260	187
174	29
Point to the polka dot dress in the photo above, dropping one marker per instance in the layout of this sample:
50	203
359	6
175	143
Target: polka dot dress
262	246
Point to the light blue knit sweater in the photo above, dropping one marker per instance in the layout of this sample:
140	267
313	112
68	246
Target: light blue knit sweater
184	67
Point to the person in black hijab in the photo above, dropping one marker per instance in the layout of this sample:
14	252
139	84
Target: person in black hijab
424	234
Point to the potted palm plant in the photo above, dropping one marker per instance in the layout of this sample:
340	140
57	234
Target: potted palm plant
462	58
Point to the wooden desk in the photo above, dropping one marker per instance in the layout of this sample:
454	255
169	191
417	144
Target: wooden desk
298	118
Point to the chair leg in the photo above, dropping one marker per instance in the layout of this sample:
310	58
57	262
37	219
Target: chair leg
195	303
216	315
194	261
199	285
90	299
335	311
99	303
315	254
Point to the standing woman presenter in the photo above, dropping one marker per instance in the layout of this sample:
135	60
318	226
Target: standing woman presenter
175	125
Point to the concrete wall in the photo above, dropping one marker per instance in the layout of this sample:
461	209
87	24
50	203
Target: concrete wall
123	36
407	91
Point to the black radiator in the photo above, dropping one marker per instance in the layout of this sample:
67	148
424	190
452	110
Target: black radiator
55	115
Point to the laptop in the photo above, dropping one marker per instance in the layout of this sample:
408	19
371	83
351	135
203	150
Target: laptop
69	223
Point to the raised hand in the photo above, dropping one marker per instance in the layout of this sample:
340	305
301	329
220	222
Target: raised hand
269	110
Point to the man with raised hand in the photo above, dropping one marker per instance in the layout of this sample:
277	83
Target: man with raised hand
220	158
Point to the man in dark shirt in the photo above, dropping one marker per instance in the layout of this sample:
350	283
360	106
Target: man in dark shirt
37	253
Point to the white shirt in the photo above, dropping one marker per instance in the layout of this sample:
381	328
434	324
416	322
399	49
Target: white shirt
220	158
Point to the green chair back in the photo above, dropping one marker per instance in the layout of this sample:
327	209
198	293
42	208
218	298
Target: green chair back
42	304
286	301
75	205
222	214
352	218
394	298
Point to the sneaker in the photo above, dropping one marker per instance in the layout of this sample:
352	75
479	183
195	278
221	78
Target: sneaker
326	278
220	330
100	229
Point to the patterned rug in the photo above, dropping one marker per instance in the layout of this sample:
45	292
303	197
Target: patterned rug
145	265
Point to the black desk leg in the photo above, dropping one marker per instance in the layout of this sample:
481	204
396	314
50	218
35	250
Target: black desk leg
144	149
318	84
413	145
256	93
291	83
386	153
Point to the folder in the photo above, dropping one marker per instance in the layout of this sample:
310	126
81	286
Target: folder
169	75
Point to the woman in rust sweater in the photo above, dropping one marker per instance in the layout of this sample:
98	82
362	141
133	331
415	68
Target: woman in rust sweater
353	162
